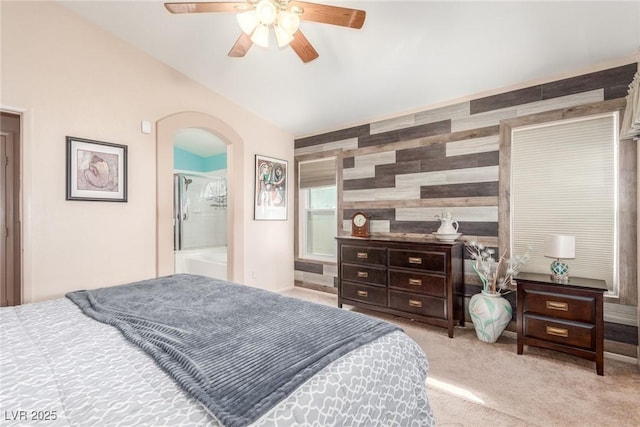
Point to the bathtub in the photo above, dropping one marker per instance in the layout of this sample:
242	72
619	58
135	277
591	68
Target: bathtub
211	262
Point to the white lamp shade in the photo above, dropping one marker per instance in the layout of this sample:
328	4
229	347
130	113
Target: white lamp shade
261	36
283	37
289	22
559	246
248	21
267	12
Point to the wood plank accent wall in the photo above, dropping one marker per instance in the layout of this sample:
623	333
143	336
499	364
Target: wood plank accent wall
407	169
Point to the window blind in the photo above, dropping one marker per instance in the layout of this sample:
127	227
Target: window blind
317	173
563	181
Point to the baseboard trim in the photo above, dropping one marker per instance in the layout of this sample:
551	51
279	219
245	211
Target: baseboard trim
621	358
316	287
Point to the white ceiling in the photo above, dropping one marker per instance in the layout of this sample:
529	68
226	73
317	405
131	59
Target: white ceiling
408	55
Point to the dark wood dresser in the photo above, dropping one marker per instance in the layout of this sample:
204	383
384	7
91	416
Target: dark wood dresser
562	317
409	278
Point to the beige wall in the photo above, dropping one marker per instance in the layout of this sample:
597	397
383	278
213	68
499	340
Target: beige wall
68	77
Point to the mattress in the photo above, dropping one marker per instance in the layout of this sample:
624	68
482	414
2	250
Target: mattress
59	367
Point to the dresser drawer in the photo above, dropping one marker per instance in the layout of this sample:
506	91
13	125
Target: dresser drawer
362	255
431	261
418	304
573	334
367	274
365	293
423	283
568	307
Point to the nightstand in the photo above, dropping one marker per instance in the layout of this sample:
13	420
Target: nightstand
564	317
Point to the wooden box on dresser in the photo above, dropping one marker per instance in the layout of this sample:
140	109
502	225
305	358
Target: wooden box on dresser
565	317
410	278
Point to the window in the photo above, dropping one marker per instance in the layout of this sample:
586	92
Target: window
318	204
564	181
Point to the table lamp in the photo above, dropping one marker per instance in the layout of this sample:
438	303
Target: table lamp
560	247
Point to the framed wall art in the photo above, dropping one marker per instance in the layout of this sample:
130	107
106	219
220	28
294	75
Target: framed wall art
96	170
270	202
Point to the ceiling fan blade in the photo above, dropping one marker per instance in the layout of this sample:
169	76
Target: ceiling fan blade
242	46
231	6
323	13
303	48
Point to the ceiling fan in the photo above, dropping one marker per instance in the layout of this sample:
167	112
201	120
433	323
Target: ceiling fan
257	16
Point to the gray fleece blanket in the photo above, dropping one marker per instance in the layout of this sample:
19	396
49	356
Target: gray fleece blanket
238	350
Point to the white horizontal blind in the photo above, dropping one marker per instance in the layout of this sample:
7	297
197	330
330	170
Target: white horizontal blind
317	173
563	181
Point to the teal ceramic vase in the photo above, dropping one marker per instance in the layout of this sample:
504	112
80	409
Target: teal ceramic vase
490	314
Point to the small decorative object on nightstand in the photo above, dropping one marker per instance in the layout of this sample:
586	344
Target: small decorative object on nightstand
360	225
560	247
565	317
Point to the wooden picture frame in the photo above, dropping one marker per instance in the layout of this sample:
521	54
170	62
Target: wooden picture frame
270	189
96	170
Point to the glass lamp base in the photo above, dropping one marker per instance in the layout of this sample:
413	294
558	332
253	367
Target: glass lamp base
559	271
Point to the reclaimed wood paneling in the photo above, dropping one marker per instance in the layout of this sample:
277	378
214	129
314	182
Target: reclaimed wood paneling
376	214
621	333
473	145
368	183
310	267
445	202
403	169
509	99
612	81
429	129
464	161
473	189
399	168
338	135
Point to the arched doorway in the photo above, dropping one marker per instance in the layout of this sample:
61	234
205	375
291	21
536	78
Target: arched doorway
166	129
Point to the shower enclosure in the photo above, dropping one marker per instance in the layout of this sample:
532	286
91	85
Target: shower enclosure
200	224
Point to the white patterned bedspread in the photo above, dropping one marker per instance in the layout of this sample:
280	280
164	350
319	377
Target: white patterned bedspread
59	367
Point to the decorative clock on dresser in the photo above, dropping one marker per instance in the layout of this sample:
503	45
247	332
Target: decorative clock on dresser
565	317
360	225
411	278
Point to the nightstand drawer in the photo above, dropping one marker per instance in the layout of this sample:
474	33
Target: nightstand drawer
431	261
419	304
568	307
362	255
573	334
359	273
370	294
418	282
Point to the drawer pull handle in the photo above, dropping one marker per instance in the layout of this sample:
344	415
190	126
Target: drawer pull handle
554	305
558	332
415	303
363	274
415	282
362	255
363	294
415	260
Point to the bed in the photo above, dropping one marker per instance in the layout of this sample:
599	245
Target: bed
59	366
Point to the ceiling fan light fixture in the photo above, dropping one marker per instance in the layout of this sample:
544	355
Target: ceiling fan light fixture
282	35
267	12
289	22
247	21
260	36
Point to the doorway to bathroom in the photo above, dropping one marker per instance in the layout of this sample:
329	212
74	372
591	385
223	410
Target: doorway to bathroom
200	203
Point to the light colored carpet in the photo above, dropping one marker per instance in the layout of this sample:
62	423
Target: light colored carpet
472	383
